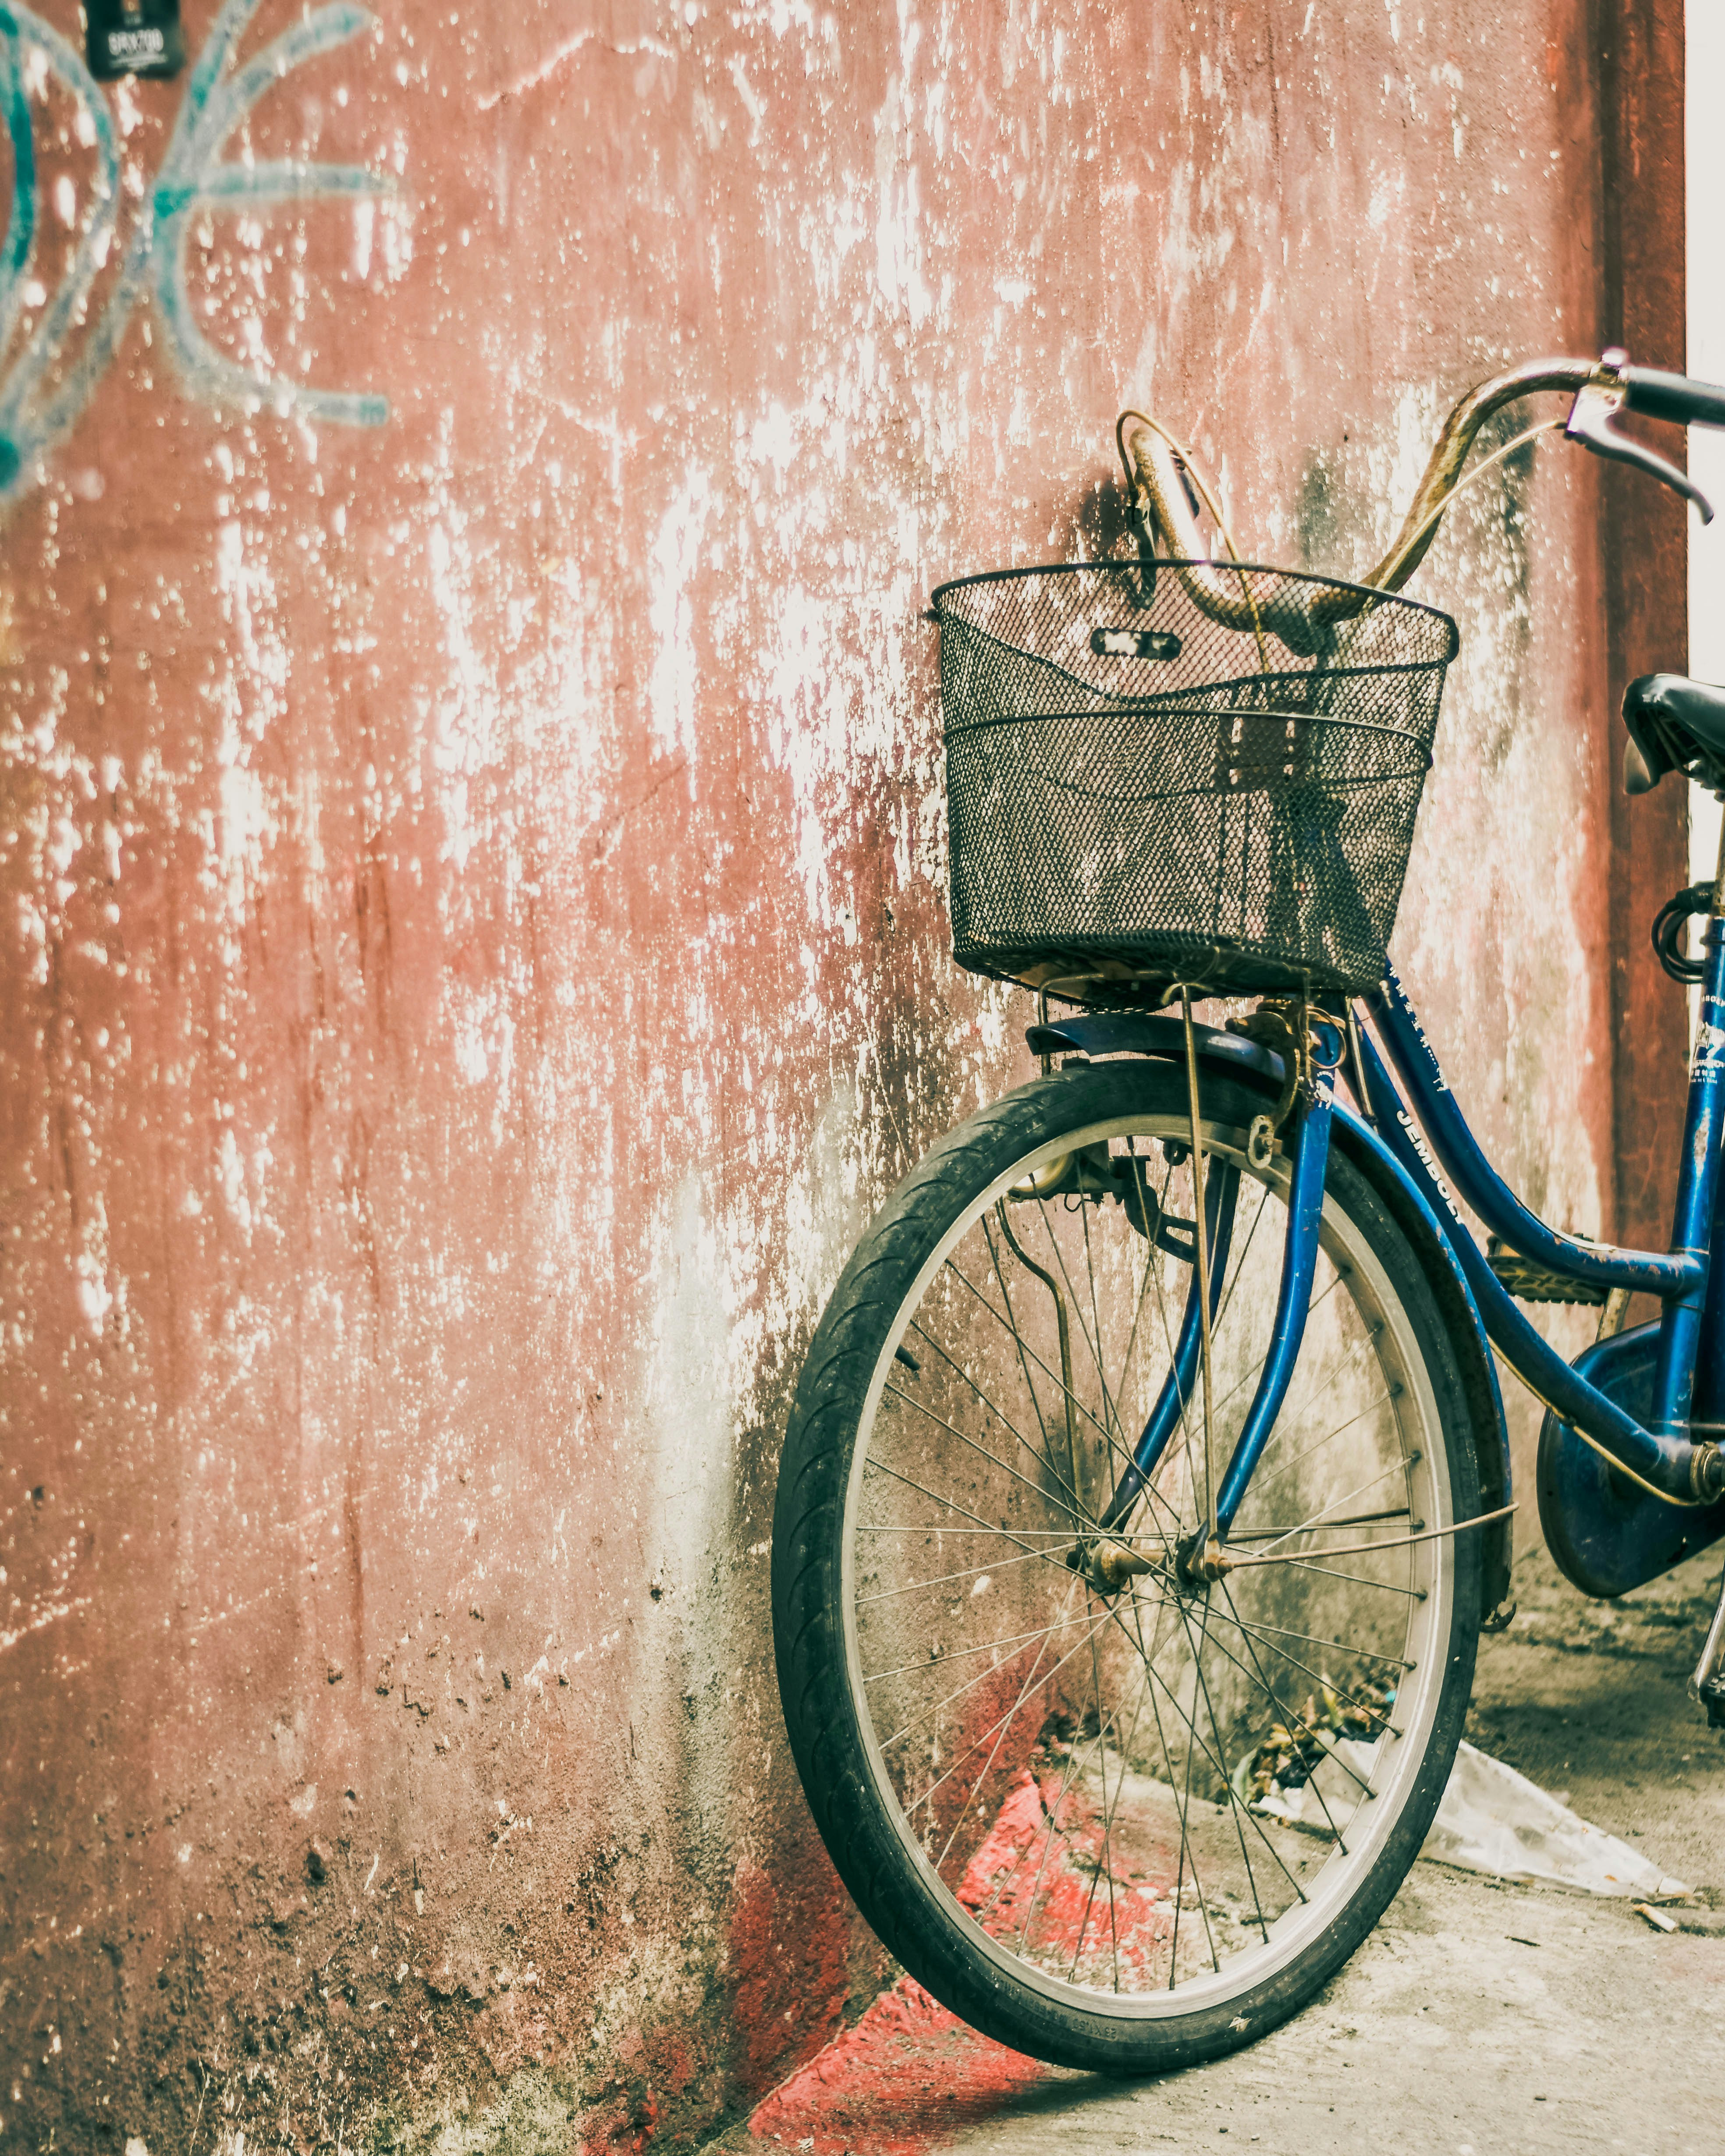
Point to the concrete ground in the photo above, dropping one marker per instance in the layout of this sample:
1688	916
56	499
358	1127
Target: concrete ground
1480	2020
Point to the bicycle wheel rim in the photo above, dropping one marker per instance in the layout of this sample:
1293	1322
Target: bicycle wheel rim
1429	1569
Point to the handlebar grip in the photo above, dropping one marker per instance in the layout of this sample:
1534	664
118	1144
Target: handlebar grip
1661	396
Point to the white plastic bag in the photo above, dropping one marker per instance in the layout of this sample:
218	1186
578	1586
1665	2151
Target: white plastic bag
1494	1820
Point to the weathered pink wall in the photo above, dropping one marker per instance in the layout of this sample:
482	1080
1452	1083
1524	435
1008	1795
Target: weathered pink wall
474	947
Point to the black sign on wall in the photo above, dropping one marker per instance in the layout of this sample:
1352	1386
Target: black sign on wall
133	37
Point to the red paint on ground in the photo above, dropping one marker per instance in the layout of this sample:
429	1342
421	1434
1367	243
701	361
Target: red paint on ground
906	2078
910	2074
1038	1879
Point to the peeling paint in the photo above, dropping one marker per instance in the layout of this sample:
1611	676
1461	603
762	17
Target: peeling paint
476	955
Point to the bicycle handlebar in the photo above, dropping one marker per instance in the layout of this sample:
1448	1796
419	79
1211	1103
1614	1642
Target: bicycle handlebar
1306	621
1678	397
1156	474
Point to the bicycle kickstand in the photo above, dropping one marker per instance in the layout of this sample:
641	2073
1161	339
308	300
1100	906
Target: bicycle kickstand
1708	1682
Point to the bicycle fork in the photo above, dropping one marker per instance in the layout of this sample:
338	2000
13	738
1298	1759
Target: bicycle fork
1208	1558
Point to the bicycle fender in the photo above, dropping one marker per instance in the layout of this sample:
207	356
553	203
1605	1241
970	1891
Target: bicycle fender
1145	1033
1149	1032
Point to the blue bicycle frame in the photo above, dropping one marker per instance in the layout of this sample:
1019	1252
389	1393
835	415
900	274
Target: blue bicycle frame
1660	1454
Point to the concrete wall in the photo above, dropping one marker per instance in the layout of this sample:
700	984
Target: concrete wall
473	928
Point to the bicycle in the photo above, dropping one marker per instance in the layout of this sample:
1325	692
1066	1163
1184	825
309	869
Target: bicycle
1130	1555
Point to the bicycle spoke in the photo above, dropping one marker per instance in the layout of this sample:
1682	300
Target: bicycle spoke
1180	1395
909	1400
964	1654
1011	1322
879	1467
1313	1641
1024	1691
1280	1534
1306	1526
1239	1264
1187	1853
1292	1715
1052	1811
946	1578
1271	1693
994	1459
1354	1355
1382	1586
1077	1311
1240	1386
1287	1466
1095	1319
1238	1829
1048	1845
1107	1844
1186	1813
1232	1800
1215	1762
1371	1713
1081	1406
1123	1457
899	1735
1151	1254
1054	1534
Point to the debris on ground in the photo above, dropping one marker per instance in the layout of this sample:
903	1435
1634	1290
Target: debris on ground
1273	1778
1493	1820
1304	1770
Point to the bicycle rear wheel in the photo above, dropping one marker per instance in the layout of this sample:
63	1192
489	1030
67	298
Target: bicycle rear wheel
1123	1830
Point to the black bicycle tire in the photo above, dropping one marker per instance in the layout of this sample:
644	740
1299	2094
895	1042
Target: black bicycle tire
826	1739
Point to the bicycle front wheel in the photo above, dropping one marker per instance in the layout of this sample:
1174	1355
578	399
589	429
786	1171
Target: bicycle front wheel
1121	1827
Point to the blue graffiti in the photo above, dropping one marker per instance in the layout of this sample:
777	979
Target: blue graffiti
37	413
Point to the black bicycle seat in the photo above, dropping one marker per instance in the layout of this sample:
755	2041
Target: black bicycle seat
1675	725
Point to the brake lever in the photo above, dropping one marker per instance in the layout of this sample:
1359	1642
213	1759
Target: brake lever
1597	405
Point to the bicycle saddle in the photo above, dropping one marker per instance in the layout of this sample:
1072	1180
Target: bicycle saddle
1675	724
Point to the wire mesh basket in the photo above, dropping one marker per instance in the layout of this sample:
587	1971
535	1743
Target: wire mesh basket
1137	789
